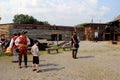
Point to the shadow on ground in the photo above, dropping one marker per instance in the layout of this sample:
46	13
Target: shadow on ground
87	57
49	64
52	69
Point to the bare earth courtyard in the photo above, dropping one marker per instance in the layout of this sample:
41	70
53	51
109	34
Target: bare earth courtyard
96	61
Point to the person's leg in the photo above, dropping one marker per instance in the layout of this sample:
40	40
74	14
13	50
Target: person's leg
37	67
37	63
76	54
20	60
25	56
20	56
33	65
3	47
73	53
96	39
25	60
15	55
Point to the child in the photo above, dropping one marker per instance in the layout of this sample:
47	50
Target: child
35	53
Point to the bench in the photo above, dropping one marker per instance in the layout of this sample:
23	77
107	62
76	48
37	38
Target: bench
114	42
49	49
66	47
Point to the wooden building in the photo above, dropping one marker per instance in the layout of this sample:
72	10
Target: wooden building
48	32
92	28
80	32
114	27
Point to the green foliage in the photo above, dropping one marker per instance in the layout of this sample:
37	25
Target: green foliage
81	25
26	19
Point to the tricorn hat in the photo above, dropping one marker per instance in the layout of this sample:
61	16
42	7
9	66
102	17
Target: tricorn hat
24	32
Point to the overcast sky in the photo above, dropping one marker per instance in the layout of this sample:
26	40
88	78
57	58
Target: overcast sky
61	12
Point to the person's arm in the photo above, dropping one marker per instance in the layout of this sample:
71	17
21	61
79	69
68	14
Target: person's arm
32	50
11	43
28	41
0	40
37	50
74	40
17	41
78	39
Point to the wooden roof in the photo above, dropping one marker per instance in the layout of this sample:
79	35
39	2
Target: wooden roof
94	24
116	19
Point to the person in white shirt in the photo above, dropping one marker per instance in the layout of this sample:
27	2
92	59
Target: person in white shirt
35	53
14	47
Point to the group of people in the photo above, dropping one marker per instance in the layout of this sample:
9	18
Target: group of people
19	44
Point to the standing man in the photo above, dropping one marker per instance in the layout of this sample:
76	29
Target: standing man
75	43
14	47
22	42
96	36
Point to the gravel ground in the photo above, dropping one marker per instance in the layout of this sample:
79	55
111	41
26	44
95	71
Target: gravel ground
96	61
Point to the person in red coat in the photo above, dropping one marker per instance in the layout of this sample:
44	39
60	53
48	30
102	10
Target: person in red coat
14	47
22	42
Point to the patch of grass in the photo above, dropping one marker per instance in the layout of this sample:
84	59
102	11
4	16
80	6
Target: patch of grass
3	55
42	52
60	50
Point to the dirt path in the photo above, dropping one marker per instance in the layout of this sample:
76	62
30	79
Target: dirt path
96	61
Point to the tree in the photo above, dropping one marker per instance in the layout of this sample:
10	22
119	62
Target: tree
80	25
26	19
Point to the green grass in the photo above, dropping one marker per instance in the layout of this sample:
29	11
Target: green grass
4	56
42	52
60	50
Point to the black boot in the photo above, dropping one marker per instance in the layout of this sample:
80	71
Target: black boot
73	54
25	61
20	60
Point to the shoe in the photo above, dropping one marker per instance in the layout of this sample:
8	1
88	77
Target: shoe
75	58
17	61
37	71
26	66
13	61
34	70
20	67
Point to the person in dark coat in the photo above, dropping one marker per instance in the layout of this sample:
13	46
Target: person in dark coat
75	44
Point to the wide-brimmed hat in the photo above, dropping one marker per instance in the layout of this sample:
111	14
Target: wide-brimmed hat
24	32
